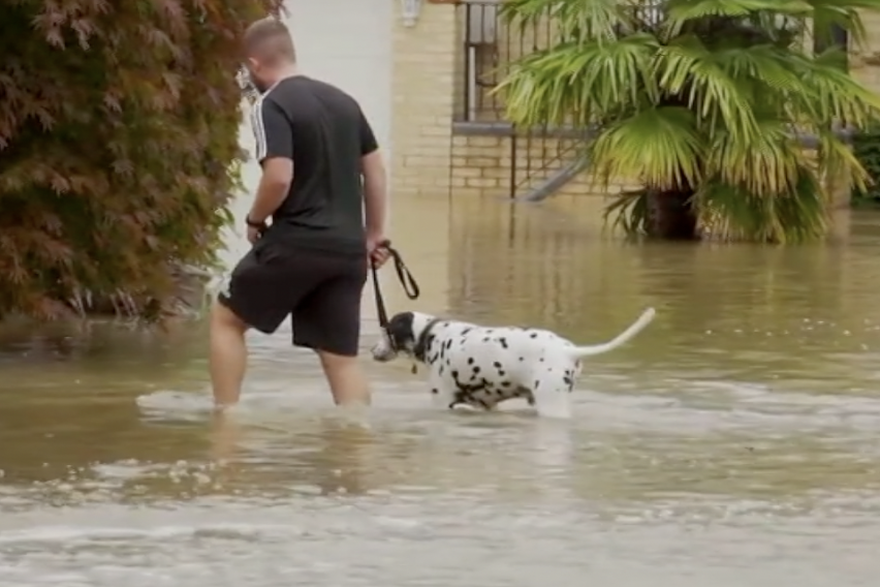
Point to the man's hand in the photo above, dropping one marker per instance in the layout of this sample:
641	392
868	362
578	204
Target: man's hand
255	229
253	234
377	249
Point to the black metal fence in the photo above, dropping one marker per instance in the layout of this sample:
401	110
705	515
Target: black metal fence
488	46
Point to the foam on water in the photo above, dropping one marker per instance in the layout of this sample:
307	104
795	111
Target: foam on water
182	405
257	397
329	542
698	407
712	405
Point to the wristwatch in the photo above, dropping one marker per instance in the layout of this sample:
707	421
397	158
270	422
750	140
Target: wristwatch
252	224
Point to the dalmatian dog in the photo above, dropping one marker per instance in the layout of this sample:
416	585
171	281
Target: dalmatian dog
480	367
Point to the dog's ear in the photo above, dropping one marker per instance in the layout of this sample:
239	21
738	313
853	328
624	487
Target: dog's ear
400	329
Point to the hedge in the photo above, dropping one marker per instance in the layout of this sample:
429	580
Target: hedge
118	142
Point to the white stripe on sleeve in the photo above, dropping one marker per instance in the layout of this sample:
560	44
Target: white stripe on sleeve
259	128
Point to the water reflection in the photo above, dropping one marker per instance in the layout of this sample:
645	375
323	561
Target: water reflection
741	423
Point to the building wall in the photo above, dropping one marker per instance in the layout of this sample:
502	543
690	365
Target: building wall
423	84
865	61
481	165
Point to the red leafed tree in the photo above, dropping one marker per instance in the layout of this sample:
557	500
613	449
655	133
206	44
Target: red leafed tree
118	148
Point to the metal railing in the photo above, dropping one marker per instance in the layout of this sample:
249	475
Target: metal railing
539	155
489	45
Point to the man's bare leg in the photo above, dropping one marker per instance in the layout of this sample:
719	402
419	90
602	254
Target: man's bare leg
225	435
347	379
228	355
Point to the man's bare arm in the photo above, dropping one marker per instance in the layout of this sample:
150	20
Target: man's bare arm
375	193
274	186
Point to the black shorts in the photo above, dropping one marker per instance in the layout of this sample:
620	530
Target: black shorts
320	291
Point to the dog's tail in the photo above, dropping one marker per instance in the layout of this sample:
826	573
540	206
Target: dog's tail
621	339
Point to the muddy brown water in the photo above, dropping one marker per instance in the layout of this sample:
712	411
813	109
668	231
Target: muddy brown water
733	443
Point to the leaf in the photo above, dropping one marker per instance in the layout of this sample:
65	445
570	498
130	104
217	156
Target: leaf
582	83
660	147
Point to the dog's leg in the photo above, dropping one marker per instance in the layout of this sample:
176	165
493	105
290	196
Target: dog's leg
551	389
442	391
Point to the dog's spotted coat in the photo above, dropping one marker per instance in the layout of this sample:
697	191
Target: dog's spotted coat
480	367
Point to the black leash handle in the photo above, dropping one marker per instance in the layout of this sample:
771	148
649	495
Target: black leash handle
410	286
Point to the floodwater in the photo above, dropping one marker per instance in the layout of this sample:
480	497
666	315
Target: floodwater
734	443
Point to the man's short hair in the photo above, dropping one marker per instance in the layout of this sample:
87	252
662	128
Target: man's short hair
269	40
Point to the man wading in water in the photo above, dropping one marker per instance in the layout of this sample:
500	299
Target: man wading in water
314	144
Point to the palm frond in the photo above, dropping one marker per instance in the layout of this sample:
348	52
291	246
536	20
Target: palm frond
682	12
836	159
578	20
842	13
764	64
766	163
581	81
831	94
659	147
686	67
731	212
628	212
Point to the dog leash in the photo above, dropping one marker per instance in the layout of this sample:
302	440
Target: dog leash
410	287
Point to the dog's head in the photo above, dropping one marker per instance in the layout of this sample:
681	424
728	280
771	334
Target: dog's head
402	335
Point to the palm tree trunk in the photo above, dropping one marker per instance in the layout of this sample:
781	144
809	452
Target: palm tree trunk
671	216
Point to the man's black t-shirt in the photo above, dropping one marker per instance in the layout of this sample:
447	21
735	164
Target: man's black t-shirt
323	130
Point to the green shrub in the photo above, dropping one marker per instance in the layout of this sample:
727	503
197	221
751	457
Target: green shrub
118	130
696	100
866	146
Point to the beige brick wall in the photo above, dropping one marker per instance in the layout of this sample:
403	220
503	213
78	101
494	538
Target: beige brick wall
865	61
481	165
422	89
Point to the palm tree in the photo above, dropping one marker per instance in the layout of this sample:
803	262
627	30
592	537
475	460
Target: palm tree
705	102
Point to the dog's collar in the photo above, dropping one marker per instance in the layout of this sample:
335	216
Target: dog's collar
420	350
